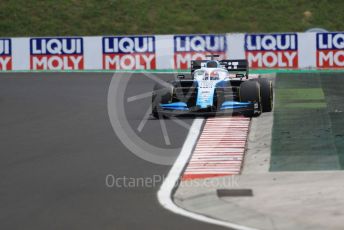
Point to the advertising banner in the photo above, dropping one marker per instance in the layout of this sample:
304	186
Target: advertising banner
129	53
272	50
5	54
307	50
196	47
59	53
330	50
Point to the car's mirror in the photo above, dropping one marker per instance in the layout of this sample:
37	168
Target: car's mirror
240	75
180	76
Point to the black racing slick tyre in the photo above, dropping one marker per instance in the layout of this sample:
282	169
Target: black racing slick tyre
266	93
250	92
162	94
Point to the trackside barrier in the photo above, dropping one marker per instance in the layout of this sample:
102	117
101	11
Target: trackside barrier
161	52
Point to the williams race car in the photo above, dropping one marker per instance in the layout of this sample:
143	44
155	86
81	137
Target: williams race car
215	88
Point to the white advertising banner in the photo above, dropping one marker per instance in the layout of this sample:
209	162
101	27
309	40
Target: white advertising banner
172	52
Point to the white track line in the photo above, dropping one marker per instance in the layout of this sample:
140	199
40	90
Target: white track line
168	187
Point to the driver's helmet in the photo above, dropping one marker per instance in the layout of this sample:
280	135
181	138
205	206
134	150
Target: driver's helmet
214	75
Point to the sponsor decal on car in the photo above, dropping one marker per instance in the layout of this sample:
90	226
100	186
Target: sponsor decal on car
129	53
330	50
196	47
271	50
5	54
60	53
205	95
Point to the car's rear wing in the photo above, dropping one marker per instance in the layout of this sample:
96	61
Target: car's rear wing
237	65
197	64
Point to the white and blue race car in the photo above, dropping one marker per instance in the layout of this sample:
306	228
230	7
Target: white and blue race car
215	88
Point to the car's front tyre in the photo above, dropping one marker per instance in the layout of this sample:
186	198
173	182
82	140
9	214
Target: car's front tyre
266	92
250	92
162	94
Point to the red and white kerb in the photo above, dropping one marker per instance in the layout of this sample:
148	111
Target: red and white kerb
220	148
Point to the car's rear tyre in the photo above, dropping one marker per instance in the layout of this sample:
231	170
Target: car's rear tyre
266	93
162	94
250	92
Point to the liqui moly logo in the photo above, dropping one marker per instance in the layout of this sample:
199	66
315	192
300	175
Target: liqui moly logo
56	54
271	50
5	54
330	50
129	53
196	47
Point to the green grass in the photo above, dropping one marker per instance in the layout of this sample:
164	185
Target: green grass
301	94
308	128
302	98
99	17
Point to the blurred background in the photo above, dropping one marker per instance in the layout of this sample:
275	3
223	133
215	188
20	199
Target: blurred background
100	17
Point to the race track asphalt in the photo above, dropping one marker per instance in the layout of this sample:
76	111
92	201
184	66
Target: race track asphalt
57	147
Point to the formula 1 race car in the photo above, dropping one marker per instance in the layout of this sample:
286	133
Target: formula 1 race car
215	88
